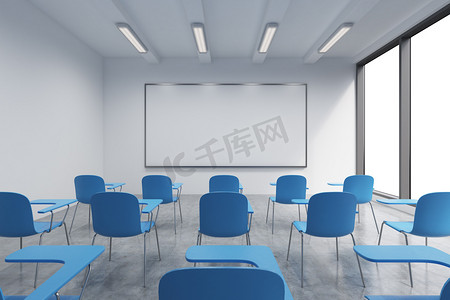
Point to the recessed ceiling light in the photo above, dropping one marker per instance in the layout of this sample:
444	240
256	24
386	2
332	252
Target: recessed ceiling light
199	35
267	37
340	32
132	37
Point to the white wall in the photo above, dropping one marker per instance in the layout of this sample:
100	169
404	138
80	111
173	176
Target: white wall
51	110
331	118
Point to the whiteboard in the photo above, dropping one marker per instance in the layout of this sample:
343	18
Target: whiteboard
205	125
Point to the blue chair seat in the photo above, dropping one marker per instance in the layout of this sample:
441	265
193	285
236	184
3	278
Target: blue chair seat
401	226
45	226
146	226
300	226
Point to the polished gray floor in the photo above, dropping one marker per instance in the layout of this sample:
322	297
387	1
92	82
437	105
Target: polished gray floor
325	277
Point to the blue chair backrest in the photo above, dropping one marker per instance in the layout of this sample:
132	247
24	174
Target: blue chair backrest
361	186
223	214
221	284
290	187
432	217
157	187
88	185
445	292
331	214
116	214
224	183
16	216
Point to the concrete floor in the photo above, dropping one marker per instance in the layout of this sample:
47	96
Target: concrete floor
325	277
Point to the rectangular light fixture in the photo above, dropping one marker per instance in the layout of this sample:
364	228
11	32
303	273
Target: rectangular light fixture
267	37
200	39
336	36
132	37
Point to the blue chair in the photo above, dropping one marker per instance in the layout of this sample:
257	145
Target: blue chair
229	183
85	187
289	188
16	220
223	214
116	215
160	187
445	295
362	187
431	219
221	284
330	214
224	183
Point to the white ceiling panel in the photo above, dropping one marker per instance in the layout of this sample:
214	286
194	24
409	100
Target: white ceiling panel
234	27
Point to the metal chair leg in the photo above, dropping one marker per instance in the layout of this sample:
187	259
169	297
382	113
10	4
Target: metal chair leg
199	242
301	249
375	219
67	236
157	242
359	215
426	241
174	218
381	232
37	265
179	206
93	239
273	215
89	218
88	271
73	219
337	249
359	264
21	243
267	215
409	264
145	235
299	217
289	245
110	247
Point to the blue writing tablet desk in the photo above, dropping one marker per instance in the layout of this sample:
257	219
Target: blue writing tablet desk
115	185
55	204
259	256
402	254
398	201
150	204
74	260
335	183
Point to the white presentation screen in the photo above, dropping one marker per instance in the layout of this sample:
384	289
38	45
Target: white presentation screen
225	125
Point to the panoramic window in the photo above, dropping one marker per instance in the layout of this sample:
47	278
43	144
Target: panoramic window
382	121
430	110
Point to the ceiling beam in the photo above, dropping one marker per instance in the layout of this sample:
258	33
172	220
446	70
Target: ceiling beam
116	13
194	14
352	13
275	12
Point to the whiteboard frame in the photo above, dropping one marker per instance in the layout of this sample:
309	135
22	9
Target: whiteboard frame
237	84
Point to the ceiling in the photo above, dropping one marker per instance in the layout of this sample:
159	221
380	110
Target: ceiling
234	27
